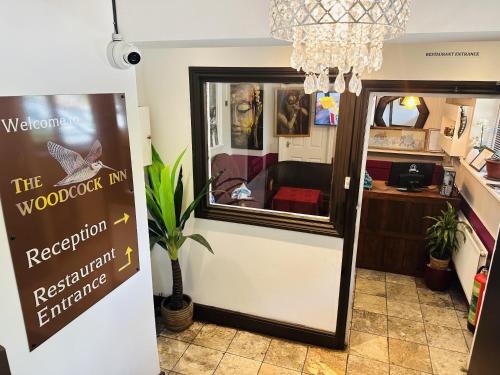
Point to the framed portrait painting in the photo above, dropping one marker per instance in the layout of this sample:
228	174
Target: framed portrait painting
246	116
326	108
293	113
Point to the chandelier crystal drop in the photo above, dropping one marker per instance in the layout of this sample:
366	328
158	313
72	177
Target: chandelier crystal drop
346	34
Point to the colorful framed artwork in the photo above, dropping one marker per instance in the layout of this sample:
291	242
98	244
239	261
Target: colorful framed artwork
247	125
480	160
293	113
326	108
402	139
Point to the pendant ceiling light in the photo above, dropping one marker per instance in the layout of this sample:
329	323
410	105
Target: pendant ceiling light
410	102
347	34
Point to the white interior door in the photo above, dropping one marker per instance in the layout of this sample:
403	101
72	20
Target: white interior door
316	148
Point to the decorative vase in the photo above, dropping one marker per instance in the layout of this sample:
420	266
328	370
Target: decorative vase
436	279
177	320
439	264
493	168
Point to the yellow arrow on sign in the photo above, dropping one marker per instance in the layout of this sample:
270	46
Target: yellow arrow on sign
124	219
127	252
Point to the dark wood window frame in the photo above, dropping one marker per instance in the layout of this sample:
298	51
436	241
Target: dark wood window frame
198	76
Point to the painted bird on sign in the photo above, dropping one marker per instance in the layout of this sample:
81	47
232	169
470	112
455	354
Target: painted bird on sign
77	168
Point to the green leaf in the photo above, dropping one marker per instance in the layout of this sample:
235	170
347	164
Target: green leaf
201	240
180	241
154	177
153	226
174	169
179	192
431	218
153	207
196	202
155	156
442	236
167	205
153	240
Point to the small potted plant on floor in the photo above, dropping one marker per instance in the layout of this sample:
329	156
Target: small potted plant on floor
164	195
442	241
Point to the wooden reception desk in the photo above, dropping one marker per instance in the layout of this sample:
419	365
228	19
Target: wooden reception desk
392	228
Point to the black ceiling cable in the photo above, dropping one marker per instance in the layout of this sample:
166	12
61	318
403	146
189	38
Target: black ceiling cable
115	20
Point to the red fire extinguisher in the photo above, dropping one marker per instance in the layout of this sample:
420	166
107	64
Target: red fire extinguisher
477	297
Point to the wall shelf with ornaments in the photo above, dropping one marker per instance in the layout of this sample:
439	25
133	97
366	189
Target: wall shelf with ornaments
455	128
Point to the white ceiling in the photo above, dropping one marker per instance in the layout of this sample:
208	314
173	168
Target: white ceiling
189	23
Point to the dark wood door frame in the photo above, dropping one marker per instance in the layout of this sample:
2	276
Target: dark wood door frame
352	158
356	164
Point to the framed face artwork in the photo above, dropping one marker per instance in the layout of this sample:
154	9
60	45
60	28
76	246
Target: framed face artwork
246	116
293	110
326	108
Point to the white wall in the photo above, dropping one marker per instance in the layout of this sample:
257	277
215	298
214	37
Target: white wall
435	105
56	47
410	62
270	273
267	272
243	22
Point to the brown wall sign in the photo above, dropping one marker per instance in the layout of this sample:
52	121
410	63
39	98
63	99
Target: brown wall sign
67	196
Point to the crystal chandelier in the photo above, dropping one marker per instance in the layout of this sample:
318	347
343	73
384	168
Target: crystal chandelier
347	34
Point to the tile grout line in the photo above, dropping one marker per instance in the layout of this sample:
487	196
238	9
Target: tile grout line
308	347
463	330
427	339
265	355
425	323
387	320
187	347
305	359
374	334
225	351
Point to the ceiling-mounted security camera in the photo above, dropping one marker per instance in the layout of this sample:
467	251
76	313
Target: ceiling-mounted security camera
122	55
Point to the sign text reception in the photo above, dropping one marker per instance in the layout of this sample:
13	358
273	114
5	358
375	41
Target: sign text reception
67	197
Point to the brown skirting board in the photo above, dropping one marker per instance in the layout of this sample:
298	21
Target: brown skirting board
288	331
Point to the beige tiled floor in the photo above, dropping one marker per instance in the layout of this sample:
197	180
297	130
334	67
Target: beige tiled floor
399	327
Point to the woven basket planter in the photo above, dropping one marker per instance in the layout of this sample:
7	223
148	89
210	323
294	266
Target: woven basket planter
439	264
177	320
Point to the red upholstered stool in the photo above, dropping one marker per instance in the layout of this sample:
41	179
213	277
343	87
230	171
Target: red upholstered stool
302	201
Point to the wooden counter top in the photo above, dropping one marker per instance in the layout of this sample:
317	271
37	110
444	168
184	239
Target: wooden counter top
382	190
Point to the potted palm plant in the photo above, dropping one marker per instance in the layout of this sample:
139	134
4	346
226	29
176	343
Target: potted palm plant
442	240
164	195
